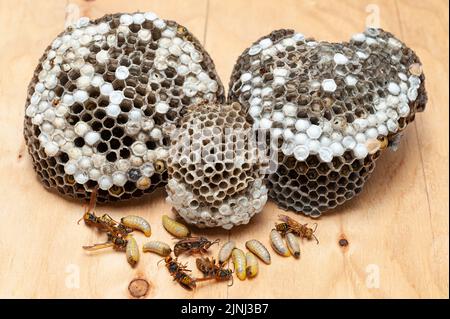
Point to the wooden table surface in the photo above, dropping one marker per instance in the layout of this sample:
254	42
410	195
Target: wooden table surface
397	229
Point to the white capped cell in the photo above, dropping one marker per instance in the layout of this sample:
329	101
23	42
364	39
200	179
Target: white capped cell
265	123
80	96
359	37
92	137
351	80
314	146
81	128
360	151
246	77
302	125
337	149
339	58
84	163
326	154
328	85
349	142
360	138
51	148
126	19
287	134
161	107
122	72
81	177
301	138
383	130
255	49
116	97
105	182
119	178
314	131
112	110
70	167
138	18
394	88
290	109
301	152
106	89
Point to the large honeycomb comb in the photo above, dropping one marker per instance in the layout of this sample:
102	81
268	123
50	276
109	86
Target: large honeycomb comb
103	100
333	106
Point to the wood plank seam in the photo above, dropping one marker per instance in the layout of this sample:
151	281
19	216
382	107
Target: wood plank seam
205	29
418	140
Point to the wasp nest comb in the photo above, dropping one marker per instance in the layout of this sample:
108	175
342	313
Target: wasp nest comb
103	99
215	174
332	107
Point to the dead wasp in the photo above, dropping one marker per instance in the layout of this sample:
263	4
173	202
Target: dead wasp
179	273
104	222
193	245
186	281
114	241
290	225
211	270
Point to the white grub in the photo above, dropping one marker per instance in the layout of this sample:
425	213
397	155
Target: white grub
393	88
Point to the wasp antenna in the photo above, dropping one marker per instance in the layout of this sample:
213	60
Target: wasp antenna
316	239
98	246
157	264
315	227
232	281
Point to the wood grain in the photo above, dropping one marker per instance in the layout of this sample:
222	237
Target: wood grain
397	227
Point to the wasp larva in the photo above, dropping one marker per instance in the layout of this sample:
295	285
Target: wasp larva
132	251
239	263
293	244
256	247
157	247
252	265
175	228
138	223
277	243
225	251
